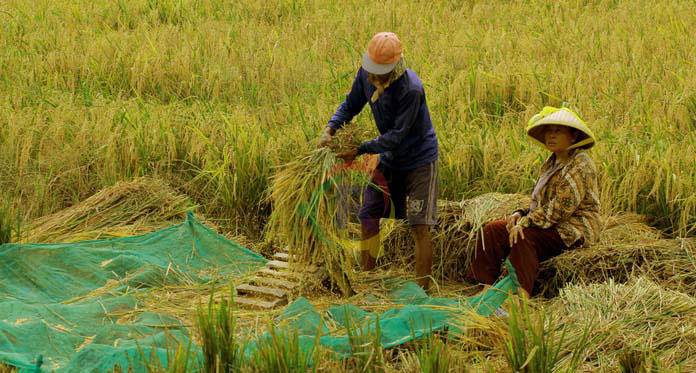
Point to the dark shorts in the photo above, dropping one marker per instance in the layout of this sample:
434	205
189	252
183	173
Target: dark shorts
408	195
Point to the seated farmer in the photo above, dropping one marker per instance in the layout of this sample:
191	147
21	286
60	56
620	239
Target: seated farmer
407	148
564	212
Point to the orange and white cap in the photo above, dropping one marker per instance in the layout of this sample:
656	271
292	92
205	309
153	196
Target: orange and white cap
383	52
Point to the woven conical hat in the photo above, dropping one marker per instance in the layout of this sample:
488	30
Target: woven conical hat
563	117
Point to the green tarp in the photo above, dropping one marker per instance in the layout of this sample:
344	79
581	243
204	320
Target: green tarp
413	315
74	306
56	314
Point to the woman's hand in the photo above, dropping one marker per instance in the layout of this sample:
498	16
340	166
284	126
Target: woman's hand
515	233
512	220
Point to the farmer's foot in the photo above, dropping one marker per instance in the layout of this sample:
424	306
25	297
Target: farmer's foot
368	262
424	255
424	283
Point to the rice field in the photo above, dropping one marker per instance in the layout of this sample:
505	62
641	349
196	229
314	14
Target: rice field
218	98
211	95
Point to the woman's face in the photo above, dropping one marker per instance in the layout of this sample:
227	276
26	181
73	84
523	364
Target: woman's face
558	138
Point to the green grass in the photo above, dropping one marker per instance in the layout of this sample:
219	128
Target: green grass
533	343
281	351
367	353
434	356
222	352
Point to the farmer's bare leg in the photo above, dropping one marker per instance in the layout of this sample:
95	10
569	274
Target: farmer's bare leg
370	245
421	211
424	254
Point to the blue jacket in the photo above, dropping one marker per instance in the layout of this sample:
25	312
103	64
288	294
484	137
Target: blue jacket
407	138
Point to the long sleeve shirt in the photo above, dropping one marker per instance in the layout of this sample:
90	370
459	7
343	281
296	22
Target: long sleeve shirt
567	201
407	138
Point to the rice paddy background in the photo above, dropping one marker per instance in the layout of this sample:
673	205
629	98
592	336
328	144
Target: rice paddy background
214	96
211	95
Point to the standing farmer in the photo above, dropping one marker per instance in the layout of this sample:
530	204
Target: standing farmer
407	148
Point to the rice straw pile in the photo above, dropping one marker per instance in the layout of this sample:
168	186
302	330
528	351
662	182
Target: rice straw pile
454	235
627	247
304	195
639	318
128	208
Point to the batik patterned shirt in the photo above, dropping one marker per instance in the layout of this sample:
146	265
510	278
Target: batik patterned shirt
568	200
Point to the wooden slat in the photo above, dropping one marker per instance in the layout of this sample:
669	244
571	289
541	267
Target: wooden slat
283	274
278	264
261	290
304	268
274	281
282	256
258	303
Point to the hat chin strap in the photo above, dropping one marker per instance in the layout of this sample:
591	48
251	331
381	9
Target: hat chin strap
581	143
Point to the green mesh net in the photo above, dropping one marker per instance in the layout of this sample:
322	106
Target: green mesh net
71	307
413	315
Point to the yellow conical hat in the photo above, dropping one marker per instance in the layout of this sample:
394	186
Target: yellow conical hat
564	117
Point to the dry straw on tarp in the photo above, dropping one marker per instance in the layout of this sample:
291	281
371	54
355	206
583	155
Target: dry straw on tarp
306	208
128	208
454	235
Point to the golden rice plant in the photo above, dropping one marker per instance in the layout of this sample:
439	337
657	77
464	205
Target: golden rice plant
93	95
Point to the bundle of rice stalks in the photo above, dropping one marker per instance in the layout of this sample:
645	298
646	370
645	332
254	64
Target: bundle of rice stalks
639	318
627	247
128	208
310	196
454	235
350	137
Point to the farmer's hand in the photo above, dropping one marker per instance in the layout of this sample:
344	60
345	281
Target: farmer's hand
516	233
326	137
349	155
512	220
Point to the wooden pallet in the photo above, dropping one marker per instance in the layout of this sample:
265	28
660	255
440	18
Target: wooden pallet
273	285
